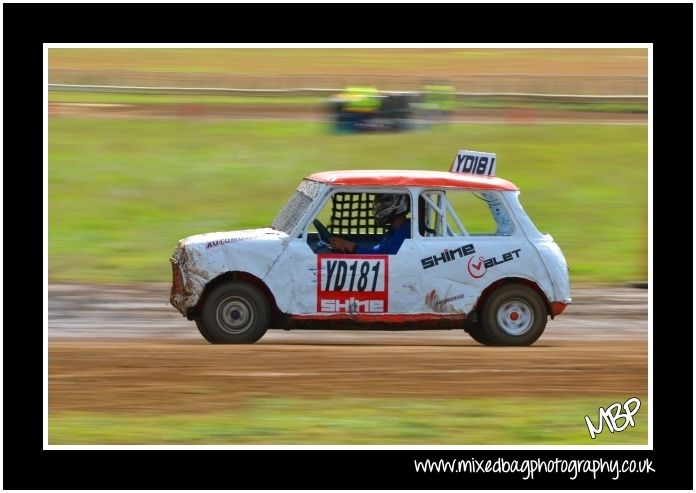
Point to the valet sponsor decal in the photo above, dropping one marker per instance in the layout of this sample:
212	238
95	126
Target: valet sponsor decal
478	266
352	284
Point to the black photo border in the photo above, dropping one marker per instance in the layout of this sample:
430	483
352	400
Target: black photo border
27	26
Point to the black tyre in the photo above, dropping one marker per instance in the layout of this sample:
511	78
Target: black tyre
477	333
204	331
514	315
234	313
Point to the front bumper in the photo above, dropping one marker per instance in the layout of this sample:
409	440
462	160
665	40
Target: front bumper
177	296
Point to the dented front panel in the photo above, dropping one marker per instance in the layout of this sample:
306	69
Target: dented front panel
202	258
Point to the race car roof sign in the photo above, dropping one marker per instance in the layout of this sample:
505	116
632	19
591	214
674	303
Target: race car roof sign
474	162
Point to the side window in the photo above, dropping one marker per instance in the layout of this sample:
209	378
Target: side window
483	213
463	213
436	217
365	222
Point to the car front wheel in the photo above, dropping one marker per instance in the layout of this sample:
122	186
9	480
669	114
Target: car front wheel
514	315
234	313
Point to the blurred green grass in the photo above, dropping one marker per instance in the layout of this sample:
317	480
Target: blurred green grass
319	103
473	421
123	192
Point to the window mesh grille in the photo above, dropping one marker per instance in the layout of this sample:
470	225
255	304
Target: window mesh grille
351	213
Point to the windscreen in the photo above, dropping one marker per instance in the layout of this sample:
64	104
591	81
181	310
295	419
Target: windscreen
301	200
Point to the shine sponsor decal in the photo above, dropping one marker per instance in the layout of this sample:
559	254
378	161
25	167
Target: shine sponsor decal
352	284
479	266
447	256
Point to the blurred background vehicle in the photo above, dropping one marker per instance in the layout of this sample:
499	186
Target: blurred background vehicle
438	100
365	109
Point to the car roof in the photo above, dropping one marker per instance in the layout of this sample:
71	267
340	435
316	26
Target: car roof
415	178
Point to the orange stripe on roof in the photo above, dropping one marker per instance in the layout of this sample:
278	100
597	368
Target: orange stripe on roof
413	178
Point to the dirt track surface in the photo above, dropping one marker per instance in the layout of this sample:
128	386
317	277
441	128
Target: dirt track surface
115	348
142	376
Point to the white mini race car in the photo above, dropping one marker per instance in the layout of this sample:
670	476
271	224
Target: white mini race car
468	258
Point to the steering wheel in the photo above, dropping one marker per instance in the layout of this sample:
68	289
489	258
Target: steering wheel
324	234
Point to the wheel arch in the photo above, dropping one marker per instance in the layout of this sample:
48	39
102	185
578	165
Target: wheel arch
195	311
488	291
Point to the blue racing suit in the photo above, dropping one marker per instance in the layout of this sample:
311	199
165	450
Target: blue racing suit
391	242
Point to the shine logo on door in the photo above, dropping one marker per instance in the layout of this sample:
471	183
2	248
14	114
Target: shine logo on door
352	284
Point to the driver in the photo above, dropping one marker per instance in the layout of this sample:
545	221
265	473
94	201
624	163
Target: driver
388	208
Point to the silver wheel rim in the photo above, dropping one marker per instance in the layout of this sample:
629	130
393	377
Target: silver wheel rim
515	317
234	315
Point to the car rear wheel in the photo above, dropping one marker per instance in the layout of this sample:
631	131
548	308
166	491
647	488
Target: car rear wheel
234	313
475	330
514	315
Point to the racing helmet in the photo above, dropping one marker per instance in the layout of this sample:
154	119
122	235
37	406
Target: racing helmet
389	205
